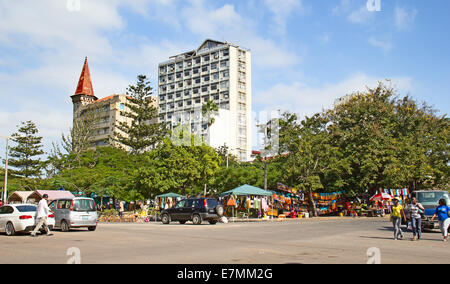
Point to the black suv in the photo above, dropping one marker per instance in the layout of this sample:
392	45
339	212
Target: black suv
196	210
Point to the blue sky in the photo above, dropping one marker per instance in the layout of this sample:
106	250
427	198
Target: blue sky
306	53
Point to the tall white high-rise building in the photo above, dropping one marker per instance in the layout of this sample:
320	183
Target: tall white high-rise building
219	72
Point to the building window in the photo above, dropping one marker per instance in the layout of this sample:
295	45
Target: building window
225	74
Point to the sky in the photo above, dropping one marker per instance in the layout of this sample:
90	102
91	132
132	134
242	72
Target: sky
305	53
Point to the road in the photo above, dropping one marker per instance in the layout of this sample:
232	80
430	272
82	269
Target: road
328	240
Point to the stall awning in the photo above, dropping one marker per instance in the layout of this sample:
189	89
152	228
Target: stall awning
247	190
170	194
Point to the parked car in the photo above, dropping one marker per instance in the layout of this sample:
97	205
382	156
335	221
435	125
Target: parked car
78	212
16	218
196	210
429	200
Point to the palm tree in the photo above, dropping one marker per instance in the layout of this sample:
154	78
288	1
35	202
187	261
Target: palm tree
210	109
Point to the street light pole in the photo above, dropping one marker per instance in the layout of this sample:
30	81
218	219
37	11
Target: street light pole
5	193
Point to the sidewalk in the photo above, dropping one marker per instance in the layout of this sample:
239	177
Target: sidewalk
235	219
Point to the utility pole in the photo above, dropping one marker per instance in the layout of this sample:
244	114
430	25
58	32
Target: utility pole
5	192
265	174
264	158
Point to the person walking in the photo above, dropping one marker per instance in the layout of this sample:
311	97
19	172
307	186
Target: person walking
42	212
121	209
442	212
397	215
415	209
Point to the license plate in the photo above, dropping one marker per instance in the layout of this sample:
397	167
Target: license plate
85	218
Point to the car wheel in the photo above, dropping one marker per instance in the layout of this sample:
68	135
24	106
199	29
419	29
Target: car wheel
197	219
165	219
64	226
219	210
213	222
93	228
10	231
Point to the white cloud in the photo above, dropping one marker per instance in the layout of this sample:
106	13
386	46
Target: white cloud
53	41
306	100
224	23
385	45
343	6
282	10
210	22
404	18
361	16
324	38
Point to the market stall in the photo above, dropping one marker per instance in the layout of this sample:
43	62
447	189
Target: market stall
167	200
19	197
328	203
246	201
289	202
292	202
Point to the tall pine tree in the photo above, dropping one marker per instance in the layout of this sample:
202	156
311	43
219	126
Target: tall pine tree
144	131
25	154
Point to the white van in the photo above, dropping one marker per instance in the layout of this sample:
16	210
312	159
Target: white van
78	212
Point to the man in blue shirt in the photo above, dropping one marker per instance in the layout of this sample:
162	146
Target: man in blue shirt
442	213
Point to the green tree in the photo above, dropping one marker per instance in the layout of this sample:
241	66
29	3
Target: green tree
390	142
313	163
144	131
25	155
103	171
171	168
210	110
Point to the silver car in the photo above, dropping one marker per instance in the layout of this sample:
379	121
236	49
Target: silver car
79	212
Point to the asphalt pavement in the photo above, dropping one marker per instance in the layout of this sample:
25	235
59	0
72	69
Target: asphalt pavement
321	240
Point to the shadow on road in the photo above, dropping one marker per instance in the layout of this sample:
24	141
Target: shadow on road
404	239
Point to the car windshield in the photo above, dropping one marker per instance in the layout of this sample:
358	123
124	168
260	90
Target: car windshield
26	208
84	205
432	198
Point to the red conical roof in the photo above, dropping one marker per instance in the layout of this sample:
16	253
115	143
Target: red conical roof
85	84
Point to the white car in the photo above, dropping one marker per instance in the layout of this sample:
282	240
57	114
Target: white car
16	218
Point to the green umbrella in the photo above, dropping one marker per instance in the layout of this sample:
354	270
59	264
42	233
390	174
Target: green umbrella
247	190
170	194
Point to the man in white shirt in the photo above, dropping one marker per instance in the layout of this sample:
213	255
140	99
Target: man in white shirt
41	216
